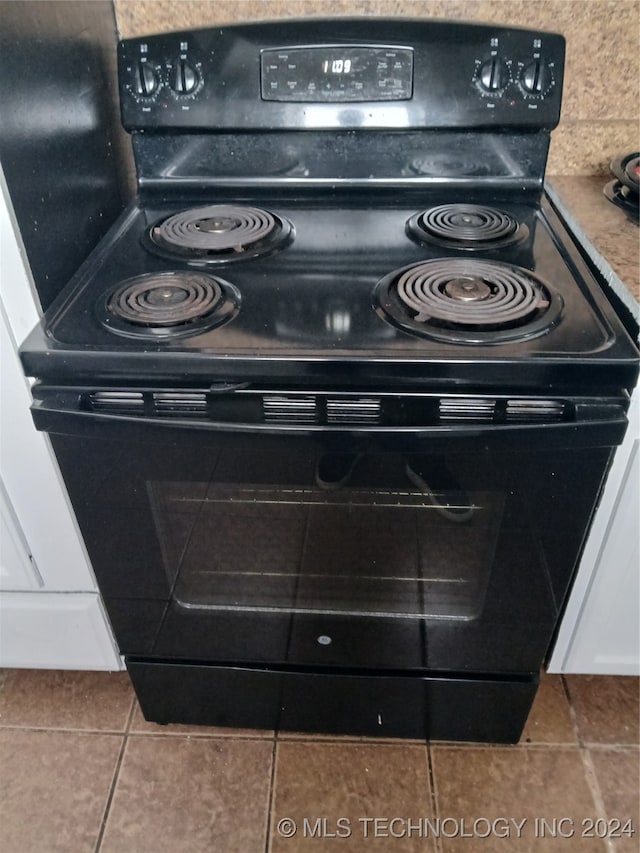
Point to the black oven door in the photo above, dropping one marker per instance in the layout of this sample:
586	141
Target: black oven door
232	535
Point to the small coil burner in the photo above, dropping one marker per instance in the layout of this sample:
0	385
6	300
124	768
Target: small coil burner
469	302
465	226
168	305
219	233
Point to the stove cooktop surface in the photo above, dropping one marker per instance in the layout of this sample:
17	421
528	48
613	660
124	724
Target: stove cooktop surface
248	288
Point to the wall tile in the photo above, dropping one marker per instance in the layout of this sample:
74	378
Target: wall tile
587	147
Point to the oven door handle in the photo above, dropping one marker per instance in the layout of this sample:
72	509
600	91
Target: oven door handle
594	424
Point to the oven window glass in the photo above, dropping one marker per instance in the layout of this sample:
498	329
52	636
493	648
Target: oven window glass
386	535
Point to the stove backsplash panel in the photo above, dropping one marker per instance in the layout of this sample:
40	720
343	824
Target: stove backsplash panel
467	161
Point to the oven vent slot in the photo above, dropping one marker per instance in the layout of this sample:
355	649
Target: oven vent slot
359	410
476	409
117	402
180	404
535	410
278	408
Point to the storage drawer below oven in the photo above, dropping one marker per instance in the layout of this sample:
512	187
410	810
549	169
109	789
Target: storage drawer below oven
438	708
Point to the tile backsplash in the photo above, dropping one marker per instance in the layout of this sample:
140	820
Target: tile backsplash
601	107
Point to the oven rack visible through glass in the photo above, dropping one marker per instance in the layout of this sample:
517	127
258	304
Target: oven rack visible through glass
393	553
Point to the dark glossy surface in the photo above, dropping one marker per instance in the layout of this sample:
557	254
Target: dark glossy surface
356	159
57	143
381	706
303	317
224	547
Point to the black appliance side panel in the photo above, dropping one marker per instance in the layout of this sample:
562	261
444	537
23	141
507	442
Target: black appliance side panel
61	149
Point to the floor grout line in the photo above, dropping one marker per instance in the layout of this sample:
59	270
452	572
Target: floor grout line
63	731
114	782
540	746
198	736
383	744
272	782
596	793
328	739
131	714
346	739
572	711
434	796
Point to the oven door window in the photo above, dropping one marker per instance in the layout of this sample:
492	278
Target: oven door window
365	535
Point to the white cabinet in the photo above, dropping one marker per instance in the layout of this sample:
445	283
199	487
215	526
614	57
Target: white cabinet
18	569
50	611
600	632
55	631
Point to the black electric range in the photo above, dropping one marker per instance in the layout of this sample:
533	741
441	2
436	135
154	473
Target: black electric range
335	398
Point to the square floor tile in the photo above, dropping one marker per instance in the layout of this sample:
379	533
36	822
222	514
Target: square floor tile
140	726
487	784
607	708
190	795
65	699
54	789
618	776
550	718
318	784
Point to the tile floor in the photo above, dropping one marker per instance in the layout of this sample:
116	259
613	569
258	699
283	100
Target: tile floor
81	770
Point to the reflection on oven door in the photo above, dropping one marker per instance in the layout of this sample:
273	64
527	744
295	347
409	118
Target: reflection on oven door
360	549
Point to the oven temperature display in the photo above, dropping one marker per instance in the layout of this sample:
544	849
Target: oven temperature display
335	74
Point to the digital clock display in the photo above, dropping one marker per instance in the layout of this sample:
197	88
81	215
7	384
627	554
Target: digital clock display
336	66
335	74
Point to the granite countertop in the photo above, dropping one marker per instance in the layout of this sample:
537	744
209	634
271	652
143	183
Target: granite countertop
613	236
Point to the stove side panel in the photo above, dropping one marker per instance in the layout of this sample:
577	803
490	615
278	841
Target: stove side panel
62	154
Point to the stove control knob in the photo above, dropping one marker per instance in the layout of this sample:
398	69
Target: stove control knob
536	77
493	75
183	78
146	81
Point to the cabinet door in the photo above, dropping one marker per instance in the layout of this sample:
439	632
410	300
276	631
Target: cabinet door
32	484
600	632
17	566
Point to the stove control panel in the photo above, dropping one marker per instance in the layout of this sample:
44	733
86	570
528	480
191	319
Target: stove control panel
343	74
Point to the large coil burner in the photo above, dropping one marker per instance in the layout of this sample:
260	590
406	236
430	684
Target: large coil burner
468	302
168	305
219	233
465	226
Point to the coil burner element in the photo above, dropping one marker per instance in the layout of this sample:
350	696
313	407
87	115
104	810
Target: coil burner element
465	301
465	226
168	305
219	233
